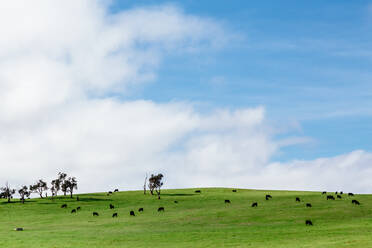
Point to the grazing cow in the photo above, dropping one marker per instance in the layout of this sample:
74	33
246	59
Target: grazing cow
269	196
355	202
73	211
78	208
140	210
227	201
114	215
111	206
161	209
197	191
110	192
175	201
64	206
336	193
116	190
234	190
131	213
339	197
324	192
350	194
77	198
95	214
341	192
297	199
308	222
308	205
254	204
330	197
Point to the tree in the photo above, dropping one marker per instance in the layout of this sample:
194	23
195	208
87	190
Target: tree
39	187
7	192
24	192
56	186
71	184
155	183
62	180
144	185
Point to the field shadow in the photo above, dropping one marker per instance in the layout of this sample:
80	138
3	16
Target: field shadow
17	202
178	194
92	199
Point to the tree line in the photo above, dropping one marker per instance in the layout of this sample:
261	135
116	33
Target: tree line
62	183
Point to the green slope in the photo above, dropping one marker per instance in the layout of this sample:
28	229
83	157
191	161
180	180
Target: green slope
198	220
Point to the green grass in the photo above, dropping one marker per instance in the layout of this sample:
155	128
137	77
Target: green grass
198	220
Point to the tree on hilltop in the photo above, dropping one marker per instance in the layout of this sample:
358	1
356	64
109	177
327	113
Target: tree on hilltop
39	187
155	183
62	182
24	192
70	185
56	186
7	192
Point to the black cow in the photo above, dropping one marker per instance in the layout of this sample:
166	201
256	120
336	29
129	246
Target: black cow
350	194
64	206
355	202
298	199
175	201
254	204
140	210
116	190
131	213
234	190
112	206
339	197
341	192
110	192
73	211
161	209
95	214
114	215
269	196
77	198
197	191
308	205
308	222
227	201
78	208
330	197
336	193
324	192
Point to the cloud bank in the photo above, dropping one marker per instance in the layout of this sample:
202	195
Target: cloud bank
61	63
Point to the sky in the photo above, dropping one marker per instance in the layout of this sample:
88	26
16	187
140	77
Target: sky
249	94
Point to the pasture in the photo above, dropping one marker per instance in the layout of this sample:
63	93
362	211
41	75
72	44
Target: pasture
196	220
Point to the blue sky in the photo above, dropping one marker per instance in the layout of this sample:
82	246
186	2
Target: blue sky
306	62
254	94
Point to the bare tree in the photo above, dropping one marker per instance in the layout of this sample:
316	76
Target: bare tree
7	192
24	192
155	183
144	185
39	187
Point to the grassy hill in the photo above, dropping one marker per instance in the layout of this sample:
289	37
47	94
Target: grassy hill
197	220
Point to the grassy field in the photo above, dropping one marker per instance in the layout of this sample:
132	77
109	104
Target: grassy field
197	220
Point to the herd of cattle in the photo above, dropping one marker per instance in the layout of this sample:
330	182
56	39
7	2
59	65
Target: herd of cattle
254	204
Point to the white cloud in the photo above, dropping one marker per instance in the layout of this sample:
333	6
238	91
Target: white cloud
61	59
347	172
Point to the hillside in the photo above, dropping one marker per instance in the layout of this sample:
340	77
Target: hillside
197	220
